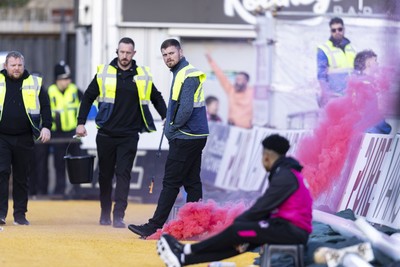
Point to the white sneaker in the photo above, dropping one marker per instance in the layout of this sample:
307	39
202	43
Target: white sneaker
168	254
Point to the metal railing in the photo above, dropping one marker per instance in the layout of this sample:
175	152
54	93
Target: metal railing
305	120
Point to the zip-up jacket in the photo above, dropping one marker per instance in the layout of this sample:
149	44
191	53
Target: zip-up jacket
287	197
335	63
186	115
122	106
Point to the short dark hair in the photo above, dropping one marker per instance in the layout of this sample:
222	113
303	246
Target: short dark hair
170	42
361	58
336	20
127	40
210	99
276	143
245	74
14	54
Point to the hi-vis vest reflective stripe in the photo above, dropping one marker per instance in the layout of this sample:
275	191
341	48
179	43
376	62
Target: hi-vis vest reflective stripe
66	105
339	61
107	81
30	96
197	117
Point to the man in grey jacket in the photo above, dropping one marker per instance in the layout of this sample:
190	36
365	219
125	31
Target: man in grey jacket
186	128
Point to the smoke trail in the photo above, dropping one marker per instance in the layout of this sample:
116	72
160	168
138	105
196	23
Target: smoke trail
342	123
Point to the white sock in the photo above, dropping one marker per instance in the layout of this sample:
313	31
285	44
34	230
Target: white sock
187	249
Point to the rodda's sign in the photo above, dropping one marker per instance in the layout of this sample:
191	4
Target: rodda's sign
241	12
245	8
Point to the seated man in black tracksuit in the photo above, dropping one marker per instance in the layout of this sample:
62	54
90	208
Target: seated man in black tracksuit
282	215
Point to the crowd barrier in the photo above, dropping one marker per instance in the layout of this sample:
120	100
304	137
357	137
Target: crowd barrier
373	188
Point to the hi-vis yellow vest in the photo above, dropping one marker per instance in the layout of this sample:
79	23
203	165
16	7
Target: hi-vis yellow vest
189	71
197	124
339	61
30	96
107	82
66	105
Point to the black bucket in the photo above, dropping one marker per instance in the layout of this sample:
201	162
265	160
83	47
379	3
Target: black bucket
80	168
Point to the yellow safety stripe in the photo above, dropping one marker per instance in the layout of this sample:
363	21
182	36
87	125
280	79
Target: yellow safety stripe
192	134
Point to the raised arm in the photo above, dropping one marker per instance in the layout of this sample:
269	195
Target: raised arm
222	78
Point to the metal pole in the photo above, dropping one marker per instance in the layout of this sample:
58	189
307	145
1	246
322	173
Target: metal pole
63	36
265	41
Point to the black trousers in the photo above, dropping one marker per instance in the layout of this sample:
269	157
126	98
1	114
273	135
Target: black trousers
181	169
16	153
116	155
245	236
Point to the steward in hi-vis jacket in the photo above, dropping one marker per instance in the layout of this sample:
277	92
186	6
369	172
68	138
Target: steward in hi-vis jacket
186	128
24	116
124	92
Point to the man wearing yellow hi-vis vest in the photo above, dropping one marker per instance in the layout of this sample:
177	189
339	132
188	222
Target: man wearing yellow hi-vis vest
24	113
124	92
64	103
186	128
335	62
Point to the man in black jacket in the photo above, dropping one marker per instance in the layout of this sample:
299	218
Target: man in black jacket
282	215
24	111
124	91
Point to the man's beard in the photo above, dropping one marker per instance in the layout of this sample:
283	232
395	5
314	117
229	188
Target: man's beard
124	63
239	87
13	77
171	64
337	40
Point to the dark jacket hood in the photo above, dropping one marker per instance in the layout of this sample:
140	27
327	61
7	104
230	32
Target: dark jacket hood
285	162
291	163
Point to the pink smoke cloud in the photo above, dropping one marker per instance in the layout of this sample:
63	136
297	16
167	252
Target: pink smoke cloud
342	123
198	220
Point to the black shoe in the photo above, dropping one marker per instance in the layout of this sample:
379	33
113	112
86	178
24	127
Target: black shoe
21	221
105	221
119	223
143	230
170	251
105	218
2	220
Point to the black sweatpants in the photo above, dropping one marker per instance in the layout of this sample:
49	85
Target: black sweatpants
116	155
181	169
245	236
15	151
